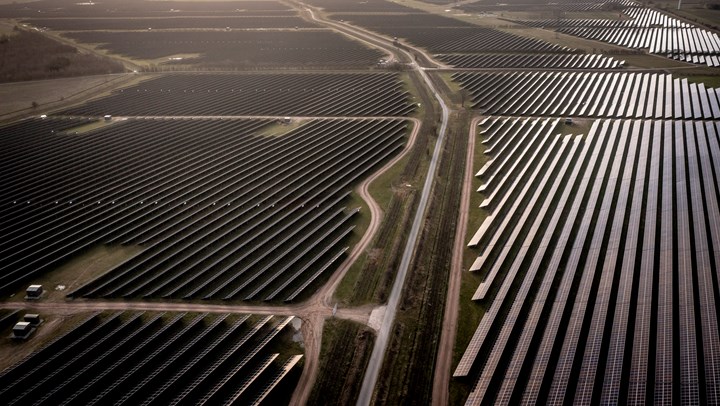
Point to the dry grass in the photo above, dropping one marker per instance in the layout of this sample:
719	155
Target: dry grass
90	126
81	270
18	96
278	129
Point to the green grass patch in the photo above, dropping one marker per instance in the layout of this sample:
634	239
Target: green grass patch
449	82
86	128
382	188
415	98
279	128
361	220
346	287
470	314
707	80
370	277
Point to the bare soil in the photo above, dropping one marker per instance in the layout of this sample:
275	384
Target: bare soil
80	270
17	97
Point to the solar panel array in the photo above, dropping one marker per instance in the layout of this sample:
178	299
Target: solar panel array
600	259
525	61
647	29
332	94
543	5
462	39
586	94
155	358
144	8
222	210
466	45
236	49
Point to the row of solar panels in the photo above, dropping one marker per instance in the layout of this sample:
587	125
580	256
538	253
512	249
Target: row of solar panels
640	17
597	94
229	213
597	236
648	29
144	358
542	61
216	95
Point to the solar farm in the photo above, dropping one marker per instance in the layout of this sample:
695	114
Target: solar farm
582	244
165	358
360	202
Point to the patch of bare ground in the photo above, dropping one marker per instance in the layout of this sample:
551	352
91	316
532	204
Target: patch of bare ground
18	97
29	55
345	351
80	270
54	325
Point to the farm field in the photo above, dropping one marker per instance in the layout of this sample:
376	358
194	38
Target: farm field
160	358
292	94
31	56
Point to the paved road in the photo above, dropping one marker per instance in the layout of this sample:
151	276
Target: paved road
380	347
378	354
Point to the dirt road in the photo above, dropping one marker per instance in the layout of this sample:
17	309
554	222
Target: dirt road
378	354
443	364
313	312
323	298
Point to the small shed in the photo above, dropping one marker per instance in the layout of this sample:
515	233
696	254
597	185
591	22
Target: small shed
107	117
34	292
22	330
33	319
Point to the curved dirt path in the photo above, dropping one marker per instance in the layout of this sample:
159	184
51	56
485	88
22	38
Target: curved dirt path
377	357
443	364
322	299
324	295
313	312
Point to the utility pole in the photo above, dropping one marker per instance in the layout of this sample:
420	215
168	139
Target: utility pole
679	4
